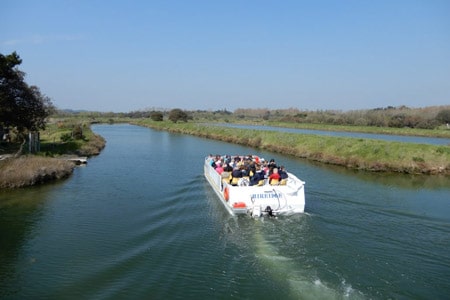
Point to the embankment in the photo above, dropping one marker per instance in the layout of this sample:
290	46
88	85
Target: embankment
31	170
355	153
28	170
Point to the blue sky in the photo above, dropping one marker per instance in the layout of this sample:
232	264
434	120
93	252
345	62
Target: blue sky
123	56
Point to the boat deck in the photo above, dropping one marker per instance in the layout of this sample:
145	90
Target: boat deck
284	198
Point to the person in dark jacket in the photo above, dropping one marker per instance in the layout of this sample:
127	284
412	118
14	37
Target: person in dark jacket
257	176
236	175
283	173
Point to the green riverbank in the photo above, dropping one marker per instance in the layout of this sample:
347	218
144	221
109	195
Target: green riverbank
355	153
50	163
441	132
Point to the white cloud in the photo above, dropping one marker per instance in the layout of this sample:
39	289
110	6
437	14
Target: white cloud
38	39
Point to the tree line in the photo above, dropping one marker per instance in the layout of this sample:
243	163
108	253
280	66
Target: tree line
398	117
24	108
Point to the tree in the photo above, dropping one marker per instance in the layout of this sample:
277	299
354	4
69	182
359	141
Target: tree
443	116
177	114
157	116
21	106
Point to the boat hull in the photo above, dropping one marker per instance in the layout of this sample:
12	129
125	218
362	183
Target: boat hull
258	200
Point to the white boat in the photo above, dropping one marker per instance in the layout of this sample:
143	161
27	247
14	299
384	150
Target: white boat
257	200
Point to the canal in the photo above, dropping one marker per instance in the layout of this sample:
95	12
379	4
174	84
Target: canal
141	222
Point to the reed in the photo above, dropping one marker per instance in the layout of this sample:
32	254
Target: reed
356	153
46	166
441	132
30	170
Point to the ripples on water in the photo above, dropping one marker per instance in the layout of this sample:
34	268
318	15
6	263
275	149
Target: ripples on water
148	225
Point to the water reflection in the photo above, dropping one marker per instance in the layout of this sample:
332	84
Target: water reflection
21	210
140	221
399	180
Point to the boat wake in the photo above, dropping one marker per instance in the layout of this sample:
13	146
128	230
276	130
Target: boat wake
299	280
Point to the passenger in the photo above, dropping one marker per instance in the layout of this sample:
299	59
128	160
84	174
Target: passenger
272	163
245	169
257	176
283	173
236	175
227	168
210	159
219	168
252	168
274	177
265	167
213	162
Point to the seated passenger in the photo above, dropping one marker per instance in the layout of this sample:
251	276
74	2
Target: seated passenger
265	167
283	173
227	168
237	172
272	163
274	178
236	175
257	176
245	171
219	168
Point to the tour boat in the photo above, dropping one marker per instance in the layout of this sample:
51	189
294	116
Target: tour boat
264	199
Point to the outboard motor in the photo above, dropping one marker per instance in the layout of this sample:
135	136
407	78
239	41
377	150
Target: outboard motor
256	212
269	211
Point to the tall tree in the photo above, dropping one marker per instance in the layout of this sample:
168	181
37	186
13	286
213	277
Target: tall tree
21	106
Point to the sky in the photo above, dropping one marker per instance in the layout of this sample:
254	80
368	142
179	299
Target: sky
122	56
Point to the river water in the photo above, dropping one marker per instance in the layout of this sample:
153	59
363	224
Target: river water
141	222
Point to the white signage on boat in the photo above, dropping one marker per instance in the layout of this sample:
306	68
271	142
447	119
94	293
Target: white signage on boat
267	195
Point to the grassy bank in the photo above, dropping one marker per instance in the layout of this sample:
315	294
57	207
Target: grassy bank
86	144
363	154
441	132
30	170
48	165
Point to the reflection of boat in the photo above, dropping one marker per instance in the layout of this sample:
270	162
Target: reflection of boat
257	200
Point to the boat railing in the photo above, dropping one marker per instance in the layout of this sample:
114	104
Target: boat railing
215	177
293	183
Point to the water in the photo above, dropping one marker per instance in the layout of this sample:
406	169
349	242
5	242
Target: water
361	135
141	222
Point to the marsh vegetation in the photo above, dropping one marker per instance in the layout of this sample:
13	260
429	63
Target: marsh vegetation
362	154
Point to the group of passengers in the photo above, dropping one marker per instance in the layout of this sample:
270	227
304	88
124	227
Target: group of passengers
256	170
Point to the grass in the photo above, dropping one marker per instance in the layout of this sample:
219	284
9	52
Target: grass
356	153
30	170
441	132
52	145
46	165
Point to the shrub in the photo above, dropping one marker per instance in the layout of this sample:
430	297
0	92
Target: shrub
157	116
443	116
77	132
65	137
177	114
